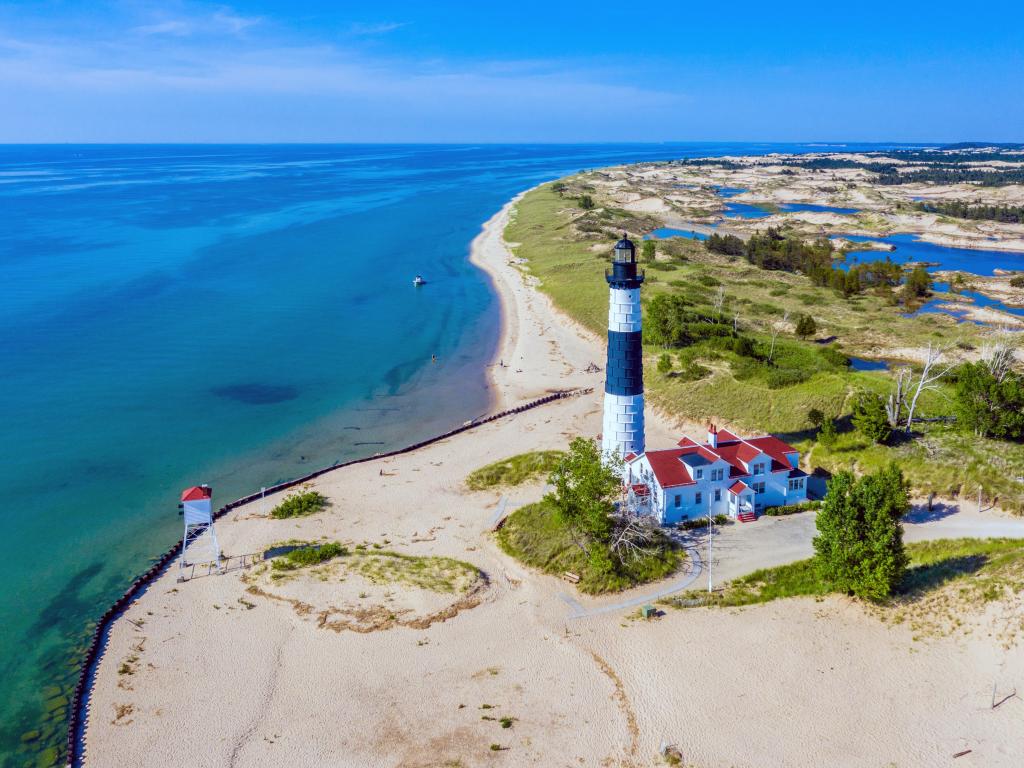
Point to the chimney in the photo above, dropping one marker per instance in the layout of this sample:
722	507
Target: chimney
712	435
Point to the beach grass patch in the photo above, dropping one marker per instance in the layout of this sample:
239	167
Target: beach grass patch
514	470
535	535
436	574
301	504
308	555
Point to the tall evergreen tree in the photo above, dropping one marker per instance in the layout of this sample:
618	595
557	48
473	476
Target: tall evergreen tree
859	546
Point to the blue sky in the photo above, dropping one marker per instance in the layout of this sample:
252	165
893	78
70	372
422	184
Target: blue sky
313	70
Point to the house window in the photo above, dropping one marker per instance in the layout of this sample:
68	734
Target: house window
678	501
757	469
717	475
758	487
718	494
797	484
699	475
698	499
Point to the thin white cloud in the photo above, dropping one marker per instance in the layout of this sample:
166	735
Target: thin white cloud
368	29
223	20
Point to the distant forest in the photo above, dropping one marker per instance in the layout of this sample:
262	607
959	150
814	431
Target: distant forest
1009	214
948	166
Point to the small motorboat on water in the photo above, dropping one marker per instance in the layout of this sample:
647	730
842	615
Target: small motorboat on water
418	281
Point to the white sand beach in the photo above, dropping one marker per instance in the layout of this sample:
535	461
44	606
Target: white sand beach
236	670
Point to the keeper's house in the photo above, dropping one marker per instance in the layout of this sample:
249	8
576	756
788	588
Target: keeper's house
726	475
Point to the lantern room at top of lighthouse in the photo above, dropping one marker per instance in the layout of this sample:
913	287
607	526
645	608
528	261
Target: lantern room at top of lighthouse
623	273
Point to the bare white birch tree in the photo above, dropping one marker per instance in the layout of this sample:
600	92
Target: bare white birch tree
898	398
719	303
998	355
929	376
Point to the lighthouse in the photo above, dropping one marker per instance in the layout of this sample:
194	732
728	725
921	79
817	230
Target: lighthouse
623	426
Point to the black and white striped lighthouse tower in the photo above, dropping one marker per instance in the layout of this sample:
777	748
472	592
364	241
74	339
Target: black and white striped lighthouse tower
623	427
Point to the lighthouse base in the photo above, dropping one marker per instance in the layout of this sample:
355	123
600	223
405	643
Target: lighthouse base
623	425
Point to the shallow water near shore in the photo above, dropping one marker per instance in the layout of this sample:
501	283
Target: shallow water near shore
236	315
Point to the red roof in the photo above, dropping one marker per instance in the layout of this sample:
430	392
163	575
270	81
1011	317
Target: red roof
641	489
737	452
667	467
196	492
629	456
774	448
738	487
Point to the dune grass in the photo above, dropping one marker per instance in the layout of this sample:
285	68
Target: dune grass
536	536
985	569
302	504
514	470
308	555
436	574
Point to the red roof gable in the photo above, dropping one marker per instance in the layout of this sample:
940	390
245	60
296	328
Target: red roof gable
667	467
629	456
738	488
196	492
641	489
774	447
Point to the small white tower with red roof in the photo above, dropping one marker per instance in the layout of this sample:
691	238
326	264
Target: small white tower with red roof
199	543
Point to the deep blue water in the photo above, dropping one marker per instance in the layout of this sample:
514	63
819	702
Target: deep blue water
729	191
745	211
812	208
663	232
943	257
227	314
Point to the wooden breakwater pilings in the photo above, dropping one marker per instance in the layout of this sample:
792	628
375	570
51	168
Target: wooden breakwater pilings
76	718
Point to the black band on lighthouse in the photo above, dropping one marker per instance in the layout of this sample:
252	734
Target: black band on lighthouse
624	374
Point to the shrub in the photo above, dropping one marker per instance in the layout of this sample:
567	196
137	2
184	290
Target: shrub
648	252
300	505
311	554
664	363
792	509
828	434
586	202
805	326
869	417
1017	281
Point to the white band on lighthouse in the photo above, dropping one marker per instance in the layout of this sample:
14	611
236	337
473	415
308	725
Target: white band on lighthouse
622	429
624	310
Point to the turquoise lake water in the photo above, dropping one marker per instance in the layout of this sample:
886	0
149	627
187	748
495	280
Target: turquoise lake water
235	315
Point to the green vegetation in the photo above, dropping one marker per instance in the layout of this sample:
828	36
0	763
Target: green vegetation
437	574
300	504
537	536
806	327
308	555
792	509
981	569
514	470
576	528
722	344
1010	214
859	546
990	403
870	418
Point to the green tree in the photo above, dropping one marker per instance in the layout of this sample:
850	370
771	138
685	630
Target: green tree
918	283
647	251
664	363
988	405
805	326
586	486
558	188
870	418
859	546
827	436
816	417
586	202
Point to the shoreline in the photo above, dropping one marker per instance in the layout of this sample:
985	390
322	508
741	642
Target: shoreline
257	677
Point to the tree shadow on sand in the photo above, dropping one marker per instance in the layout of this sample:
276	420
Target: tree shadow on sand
922	579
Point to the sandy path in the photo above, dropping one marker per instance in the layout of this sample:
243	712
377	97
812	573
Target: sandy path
220	677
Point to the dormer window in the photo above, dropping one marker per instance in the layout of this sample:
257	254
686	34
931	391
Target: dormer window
757	469
698	474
